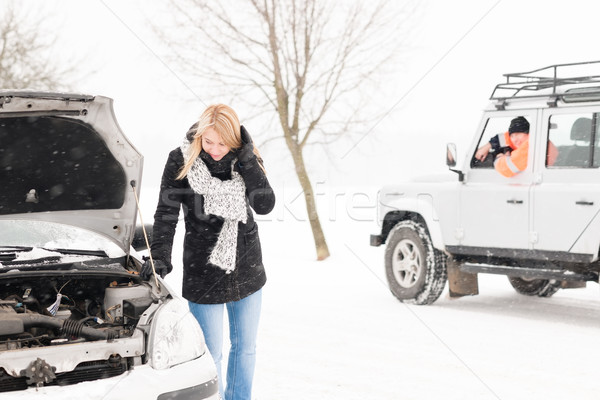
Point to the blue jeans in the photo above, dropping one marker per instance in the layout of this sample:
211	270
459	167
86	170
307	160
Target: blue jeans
243	328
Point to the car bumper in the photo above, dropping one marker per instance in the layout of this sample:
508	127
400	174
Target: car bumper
196	379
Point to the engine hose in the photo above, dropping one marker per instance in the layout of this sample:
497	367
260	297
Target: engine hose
111	335
72	328
68	327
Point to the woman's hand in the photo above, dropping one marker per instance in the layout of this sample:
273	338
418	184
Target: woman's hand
160	267
192	132
246	152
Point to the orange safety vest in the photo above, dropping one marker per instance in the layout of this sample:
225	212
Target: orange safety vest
505	141
514	163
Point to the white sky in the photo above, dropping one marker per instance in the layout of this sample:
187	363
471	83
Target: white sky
460	49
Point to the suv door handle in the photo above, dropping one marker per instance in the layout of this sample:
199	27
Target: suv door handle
584	203
514	201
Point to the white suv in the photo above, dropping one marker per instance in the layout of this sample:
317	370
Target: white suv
540	227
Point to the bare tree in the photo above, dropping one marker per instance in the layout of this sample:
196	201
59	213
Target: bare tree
25	60
306	58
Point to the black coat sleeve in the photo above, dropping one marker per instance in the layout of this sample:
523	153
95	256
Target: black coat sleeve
166	216
258	190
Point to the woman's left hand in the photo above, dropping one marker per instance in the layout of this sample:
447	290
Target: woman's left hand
246	152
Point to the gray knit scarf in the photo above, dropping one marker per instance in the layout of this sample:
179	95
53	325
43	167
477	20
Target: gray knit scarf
226	199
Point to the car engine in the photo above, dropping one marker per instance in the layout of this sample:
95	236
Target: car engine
69	309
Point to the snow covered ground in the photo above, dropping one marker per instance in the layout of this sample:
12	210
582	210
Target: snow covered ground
332	329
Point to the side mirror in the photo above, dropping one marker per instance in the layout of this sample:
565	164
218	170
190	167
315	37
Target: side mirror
451	155
451	160
139	242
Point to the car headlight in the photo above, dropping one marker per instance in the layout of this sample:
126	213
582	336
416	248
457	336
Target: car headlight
175	336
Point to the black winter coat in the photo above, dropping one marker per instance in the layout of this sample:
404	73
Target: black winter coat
203	282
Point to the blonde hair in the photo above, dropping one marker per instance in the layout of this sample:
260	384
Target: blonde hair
224	120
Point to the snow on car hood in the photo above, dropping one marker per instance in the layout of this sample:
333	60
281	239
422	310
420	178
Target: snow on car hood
63	158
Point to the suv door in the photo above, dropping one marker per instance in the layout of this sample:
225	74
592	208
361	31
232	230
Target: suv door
566	198
494	210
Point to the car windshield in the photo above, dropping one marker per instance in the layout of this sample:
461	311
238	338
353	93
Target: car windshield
23	241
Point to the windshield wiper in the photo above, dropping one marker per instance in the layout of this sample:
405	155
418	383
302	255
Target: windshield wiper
8	255
41	260
79	252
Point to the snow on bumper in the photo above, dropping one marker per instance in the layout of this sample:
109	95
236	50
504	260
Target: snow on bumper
196	379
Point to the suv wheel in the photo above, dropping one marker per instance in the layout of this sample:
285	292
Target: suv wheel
415	270
534	287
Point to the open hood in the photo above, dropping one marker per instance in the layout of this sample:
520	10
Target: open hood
63	158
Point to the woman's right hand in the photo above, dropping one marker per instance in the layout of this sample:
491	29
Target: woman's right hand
160	267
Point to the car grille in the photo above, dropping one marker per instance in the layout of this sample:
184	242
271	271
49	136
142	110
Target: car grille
87	371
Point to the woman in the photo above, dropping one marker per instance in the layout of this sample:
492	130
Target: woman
217	175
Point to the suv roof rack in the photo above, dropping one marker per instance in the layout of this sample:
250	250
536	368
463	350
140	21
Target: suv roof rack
532	84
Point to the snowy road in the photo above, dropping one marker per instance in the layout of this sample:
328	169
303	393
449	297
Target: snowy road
332	330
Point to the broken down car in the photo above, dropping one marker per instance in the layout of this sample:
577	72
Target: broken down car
76	319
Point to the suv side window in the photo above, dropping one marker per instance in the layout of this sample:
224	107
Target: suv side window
494	126
576	139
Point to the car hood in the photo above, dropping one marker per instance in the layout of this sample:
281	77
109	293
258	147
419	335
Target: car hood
64	158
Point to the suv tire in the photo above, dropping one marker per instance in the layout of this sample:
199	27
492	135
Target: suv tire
415	270
534	287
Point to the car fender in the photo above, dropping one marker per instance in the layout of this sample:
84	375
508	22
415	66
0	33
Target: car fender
420	206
